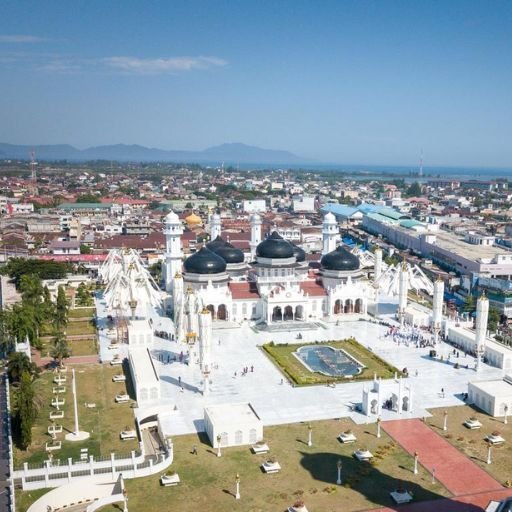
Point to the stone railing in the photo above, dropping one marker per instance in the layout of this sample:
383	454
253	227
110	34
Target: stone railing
106	470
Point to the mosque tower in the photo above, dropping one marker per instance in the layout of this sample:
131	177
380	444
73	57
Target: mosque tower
437	307
173	253
255	234
482	315
402	292
329	233
178	307
205	343
377	271
215	226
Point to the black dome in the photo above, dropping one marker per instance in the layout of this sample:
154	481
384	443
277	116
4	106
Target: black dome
216	244
275	246
230	254
340	259
204	262
299	253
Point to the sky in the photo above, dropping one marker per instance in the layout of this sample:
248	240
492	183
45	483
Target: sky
368	82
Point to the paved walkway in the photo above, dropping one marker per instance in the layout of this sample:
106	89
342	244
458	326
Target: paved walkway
42	362
454	470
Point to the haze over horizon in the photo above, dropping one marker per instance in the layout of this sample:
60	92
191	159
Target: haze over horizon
352	82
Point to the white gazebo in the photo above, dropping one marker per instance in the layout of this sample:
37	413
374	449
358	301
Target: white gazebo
232	425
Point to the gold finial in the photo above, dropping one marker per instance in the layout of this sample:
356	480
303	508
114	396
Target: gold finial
178	275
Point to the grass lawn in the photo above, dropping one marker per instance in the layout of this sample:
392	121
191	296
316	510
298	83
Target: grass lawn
77	328
471	442
283	357
85	347
94	385
308	473
82	313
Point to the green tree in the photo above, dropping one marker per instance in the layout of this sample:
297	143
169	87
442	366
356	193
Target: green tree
61	309
23	322
493	319
87	198
85	249
414	189
60	349
25	413
31	289
469	304
18	363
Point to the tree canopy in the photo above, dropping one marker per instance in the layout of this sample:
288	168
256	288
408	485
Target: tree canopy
18	267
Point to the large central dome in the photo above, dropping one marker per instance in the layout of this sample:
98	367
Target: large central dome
204	261
275	247
340	259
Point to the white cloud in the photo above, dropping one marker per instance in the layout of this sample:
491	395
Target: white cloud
20	38
162	65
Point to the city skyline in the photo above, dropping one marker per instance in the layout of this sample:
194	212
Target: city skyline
350	82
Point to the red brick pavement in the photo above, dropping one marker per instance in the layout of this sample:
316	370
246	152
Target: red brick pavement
454	470
469	503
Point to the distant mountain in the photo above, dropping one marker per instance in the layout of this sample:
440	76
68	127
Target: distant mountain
232	153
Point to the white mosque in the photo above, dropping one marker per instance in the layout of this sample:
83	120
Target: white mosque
274	286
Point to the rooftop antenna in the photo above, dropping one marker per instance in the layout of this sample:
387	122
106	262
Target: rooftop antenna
421	164
33	174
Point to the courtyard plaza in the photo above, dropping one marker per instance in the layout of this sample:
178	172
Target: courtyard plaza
436	384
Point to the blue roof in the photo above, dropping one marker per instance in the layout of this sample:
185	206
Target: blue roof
341	210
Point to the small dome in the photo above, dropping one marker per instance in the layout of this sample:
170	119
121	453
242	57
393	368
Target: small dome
230	254
275	247
193	219
172	218
329	218
216	244
340	259
204	261
299	253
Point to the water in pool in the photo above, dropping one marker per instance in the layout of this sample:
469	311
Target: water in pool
329	361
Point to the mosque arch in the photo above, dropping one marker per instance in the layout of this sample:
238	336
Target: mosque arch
222	313
358	306
288	313
299	313
211	309
338	308
277	314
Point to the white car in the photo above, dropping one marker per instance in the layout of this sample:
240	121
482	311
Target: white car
122	399
119	378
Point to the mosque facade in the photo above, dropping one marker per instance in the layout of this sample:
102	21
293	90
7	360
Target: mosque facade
273	284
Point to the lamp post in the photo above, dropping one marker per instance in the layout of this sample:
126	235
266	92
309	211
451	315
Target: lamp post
489	454
339	465
125	501
416	457
310	430
378	427
505	419
219	438
237	482
433	475
445	421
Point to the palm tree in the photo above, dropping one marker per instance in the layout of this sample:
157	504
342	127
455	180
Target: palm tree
18	363
60	349
61	309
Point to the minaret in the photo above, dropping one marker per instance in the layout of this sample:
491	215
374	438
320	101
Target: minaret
192	324
329	233
205	343
482	315
178	307
402	292
255	234
215	226
173	253
377	270
437	307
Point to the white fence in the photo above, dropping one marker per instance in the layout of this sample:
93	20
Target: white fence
106	470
